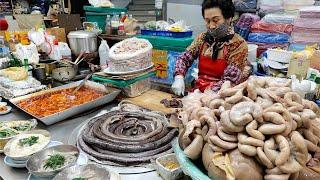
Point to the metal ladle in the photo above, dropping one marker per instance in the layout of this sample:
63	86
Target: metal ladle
72	95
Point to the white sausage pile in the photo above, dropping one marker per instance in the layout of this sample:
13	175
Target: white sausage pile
261	117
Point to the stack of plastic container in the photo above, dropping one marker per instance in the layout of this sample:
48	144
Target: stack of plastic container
295	5
245	5
271	32
244	24
270	6
306	28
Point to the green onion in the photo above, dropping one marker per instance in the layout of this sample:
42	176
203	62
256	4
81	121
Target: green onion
54	162
23	127
29	141
7	133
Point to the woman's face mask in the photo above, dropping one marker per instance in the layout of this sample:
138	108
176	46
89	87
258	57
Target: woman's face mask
217	34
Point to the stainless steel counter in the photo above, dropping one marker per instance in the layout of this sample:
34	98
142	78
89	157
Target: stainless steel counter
59	132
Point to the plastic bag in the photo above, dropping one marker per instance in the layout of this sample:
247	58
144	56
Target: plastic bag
36	36
307	23
162	25
150	25
271	2
131	26
290	5
29	52
104	54
279	18
310	12
262	26
245	5
246	20
101	3
306	37
179	26
269	38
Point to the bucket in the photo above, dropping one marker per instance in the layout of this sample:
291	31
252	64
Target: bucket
252	52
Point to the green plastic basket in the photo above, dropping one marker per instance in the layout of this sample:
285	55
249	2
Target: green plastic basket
187	165
99	15
121	83
168	43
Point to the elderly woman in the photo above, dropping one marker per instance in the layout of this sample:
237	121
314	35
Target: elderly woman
222	53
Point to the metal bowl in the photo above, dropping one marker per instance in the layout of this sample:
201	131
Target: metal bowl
35	161
89	171
18	157
4	141
64	73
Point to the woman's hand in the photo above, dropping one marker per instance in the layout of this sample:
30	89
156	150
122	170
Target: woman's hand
178	85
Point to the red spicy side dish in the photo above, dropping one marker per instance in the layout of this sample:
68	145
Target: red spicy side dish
58	101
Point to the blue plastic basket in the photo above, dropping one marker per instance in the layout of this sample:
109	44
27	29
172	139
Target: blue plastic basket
166	33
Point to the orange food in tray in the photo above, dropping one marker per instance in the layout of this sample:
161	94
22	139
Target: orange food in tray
58	101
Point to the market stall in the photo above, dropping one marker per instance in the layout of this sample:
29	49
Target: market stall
111	98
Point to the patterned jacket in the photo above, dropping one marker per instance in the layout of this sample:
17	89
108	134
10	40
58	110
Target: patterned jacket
235	52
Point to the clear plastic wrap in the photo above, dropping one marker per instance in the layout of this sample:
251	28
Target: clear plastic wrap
271	2
245	5
306	37
264	9
246	20
310	12
292	5
270	6
279	18
269	38
307	23
262	26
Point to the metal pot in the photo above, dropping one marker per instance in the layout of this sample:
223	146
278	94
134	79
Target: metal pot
64	73
82	41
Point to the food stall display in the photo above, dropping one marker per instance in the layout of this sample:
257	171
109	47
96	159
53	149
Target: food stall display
127	136
9	129
129	55
260	122
58	101
90	96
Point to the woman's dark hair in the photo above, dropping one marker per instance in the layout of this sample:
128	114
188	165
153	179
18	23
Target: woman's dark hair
226	6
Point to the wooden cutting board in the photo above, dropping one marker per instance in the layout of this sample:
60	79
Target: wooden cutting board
151	100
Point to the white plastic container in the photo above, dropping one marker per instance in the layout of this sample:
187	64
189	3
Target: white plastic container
281	56
104	54
165	173
252	52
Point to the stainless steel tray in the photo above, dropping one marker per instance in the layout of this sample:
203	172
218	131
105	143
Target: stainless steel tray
111	94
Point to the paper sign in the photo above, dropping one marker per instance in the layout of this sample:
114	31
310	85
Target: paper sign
159	58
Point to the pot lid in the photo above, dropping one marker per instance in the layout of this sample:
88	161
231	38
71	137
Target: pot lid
81	34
